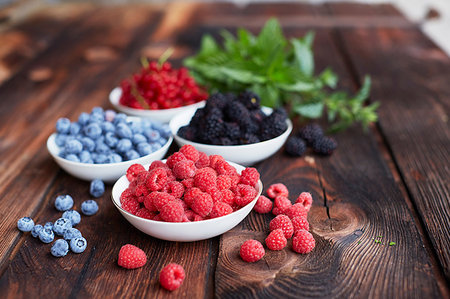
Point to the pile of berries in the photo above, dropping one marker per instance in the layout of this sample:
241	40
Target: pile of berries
228	119
190	186
160	87
310	135
290	222
106	137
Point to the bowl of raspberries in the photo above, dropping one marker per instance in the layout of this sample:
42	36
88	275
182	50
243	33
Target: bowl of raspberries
103	144
233	126
188	197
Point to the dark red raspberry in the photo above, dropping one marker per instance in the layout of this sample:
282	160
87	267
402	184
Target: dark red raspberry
277	190
305	198
221	209
297	210
203	160
276	240
184	169
188	183
282	204
223	182
133	171
190	194
171	276
300	223
145	213
263	205
172	211
131	257
303	242
284	223
174	158
249	176
175	188
213	160
131	205
156	179
202	204
244	194
189	152
228	197
251	251
205	180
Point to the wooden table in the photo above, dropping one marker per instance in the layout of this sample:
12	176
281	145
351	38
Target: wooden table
392	181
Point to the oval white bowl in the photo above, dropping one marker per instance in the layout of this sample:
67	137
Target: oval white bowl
247	154
163	115
183	231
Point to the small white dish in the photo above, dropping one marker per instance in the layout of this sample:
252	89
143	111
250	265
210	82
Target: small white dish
247	154
108	172
183	231
162	115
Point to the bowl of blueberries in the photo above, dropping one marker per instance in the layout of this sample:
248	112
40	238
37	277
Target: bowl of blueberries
236	127
103	144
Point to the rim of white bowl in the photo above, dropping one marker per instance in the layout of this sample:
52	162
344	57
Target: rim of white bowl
259	184
51	144
114	97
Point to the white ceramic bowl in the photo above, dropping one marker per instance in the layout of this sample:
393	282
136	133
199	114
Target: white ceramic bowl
184	231
163	115
109	172
247	154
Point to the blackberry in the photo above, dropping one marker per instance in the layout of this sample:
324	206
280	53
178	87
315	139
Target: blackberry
280	111
249	99
248	126
274	125
197	119
310	133
257	116
214	126
324	145
216	100
230	96
236	112
187	132
232	130
295	146
249	139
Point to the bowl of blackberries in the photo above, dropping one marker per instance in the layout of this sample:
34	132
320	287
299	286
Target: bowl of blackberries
234	126
103	144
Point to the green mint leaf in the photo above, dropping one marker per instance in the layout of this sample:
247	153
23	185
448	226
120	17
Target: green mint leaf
303	55
208	46
313	110
329	78
364	92
297	87
242	76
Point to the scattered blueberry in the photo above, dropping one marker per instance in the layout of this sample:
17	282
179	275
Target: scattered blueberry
73	216
97	188
25	224
78	245
60	248
71	233
49	225
46	235
61	225
36	229
63	202
89	207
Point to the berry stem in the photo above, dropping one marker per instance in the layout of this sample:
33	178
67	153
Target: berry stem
163	58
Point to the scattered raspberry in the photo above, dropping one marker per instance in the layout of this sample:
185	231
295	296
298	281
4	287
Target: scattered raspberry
189	152
213	160
221	209
203	160
133	171
284	223
276	240
190	194
174	158
276	190
145	213
297	210
184	169
305	198
158	164
303	242
202	204
205	180
223	182
157	179
188	183
130	205
175	188
244	194
172	211
282	204
251	251
227	197
131	257
249	176
263	205
171	276
300	223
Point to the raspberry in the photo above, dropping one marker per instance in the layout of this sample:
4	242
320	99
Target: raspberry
216	196
300	223
189	214
234	180
276	240
158	164
190	194
175	188
297	210
133	171
249	176
157	218
221	209
263	205
130	205
282	204
305	198
205	180
174	158
188	183
126	194
276	190
145	213
157	200
172	211
202	204
222	167
197	217
251	251
141	190
203	160
156	179
244	194
227	196
189	152
131	257
213	159
284	223
184	169
171	276
303	242
223	182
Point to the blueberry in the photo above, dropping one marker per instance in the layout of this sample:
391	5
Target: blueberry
144	148
153	135
63	202
113	158
96	118
99	158
124	145
72	157
97	188
162	141
107	127
25	224
73	216
93	130
123	131
61	225
88	144
75	129
46	235
78	245
48	225
97	110
63	125
132	154
120	117
60	139
83	118
136	127
71	233
85	157
156	146
110	115
111	140
138	138
36	229
163	129
60	248
89	207
146	124
102	148
73	147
